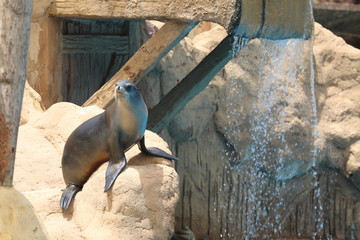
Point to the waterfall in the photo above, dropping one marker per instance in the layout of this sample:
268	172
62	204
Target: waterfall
270	133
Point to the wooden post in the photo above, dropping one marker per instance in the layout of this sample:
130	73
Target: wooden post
14	39
143	60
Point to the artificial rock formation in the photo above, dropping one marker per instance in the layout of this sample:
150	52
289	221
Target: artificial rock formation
17	217
313	130
139	206
338	95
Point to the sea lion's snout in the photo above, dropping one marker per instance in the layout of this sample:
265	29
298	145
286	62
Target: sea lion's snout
126	89
120	90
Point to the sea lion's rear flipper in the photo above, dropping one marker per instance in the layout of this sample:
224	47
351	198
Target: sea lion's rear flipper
154	150
68	194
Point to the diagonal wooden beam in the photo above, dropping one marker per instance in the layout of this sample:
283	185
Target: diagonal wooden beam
143	60
191	85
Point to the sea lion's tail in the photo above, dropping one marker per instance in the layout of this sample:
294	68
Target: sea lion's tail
68	194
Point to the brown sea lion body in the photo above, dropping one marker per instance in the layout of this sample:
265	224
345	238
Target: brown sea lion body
106	137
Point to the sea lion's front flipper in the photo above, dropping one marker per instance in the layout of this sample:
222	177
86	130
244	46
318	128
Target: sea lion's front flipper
117	163
112	172
68	194
154	150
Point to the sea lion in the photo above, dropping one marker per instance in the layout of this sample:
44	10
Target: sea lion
106	137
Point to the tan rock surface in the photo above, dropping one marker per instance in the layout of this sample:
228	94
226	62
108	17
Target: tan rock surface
140	205
18	221
338	94
31	104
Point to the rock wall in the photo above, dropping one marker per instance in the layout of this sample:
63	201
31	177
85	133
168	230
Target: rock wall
198	134
338	95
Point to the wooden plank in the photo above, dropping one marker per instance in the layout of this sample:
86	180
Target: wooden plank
219	11
190	86
143	60
95	44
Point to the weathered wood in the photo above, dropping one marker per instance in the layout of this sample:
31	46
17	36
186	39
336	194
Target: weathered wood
190	86
219	11
143	60
134	35
287	19
84	73
95	44
339	18
275	19
14	39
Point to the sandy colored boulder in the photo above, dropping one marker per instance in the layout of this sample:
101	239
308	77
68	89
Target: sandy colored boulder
353	163
41	142
338	95
18	220
140	205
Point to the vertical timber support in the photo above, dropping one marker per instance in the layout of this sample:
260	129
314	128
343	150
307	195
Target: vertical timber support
14	38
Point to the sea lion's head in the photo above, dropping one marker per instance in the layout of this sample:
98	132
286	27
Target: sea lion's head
127	91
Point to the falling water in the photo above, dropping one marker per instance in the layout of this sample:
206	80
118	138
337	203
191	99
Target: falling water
271	132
